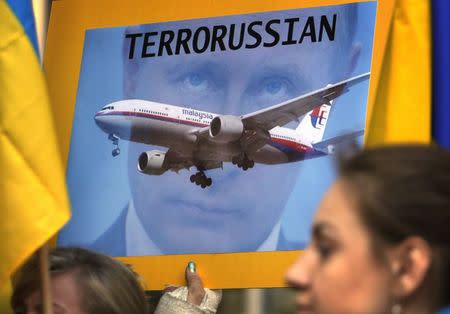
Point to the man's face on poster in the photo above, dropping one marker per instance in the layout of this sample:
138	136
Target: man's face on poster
240	209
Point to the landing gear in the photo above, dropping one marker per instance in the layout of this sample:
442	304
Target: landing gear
242	161
201	179
115	140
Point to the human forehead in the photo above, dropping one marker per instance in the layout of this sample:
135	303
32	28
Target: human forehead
228	61
66	294
345	18
331	30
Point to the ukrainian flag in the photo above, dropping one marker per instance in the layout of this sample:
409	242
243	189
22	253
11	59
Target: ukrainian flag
412	89
33	197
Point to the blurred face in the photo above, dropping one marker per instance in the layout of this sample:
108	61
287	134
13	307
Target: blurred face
66	297
338	273
238	212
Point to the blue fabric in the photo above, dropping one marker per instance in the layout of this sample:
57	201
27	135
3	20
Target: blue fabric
23	10
441	71
444	311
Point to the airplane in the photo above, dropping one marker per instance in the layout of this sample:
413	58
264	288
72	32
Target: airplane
206	140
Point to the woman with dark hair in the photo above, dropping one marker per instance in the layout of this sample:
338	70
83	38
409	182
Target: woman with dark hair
381	236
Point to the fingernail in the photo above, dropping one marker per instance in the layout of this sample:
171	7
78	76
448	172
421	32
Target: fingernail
191	266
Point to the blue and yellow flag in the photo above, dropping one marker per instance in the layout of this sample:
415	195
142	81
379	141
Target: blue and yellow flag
34	203
412	90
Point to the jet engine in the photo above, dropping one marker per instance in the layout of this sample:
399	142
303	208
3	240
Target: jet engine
152	162
226	128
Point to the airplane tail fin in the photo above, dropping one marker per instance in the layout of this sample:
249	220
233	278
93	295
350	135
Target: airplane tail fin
312	126
340	145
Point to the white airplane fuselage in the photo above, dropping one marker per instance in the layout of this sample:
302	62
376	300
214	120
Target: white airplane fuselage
174	127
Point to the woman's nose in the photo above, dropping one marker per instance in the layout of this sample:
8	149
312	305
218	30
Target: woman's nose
299	274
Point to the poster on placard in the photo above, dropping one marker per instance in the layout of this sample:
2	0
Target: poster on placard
214	135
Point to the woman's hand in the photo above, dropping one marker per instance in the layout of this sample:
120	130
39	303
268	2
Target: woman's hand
196	291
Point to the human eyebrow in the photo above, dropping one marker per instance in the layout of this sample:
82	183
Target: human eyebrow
205	64
290	71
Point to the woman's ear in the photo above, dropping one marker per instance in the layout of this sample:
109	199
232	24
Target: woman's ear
410	262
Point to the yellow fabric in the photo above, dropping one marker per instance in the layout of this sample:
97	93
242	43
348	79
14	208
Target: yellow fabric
402	108
5	293
33	197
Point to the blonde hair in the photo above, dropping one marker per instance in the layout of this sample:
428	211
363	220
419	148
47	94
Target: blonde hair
106	285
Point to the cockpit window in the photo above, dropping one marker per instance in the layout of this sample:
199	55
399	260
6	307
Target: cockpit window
108	107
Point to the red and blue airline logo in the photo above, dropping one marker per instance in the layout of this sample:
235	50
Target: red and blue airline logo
318	117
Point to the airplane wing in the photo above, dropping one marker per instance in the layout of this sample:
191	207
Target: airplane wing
175	161
257	124
290	110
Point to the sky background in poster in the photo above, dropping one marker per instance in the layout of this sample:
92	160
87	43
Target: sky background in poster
98	183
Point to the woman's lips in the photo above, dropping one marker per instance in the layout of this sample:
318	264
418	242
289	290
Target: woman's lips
303	308
209	207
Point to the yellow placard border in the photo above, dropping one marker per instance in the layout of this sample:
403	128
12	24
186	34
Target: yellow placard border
62	61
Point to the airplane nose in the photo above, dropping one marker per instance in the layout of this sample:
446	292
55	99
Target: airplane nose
104	122
99	119
101	122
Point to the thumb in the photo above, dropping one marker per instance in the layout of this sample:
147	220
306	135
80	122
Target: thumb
194	285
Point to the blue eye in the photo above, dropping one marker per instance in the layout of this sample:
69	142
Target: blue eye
195	79
274	86
196	82
275	89
269	89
